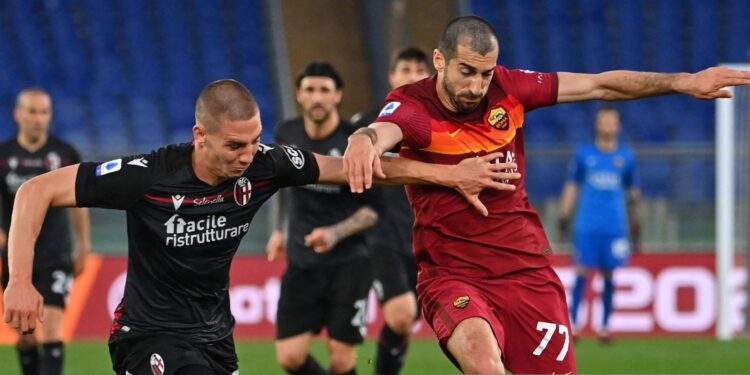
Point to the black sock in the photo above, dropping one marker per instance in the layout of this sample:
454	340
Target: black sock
391	351
353	371
29	358
52	358
310	367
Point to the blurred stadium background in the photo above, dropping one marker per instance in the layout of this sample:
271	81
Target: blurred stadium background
124	76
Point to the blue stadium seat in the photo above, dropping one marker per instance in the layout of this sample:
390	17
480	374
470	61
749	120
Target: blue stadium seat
736	42
670	57
562	51
70	121
630	35
68	47
141	48
540	127
704	36
181	115
27	26
214	52
593	32
147	123
110	126
108	69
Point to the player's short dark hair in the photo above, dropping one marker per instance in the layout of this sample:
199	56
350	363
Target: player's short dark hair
31	90
469	31
224	99
321	69
410	54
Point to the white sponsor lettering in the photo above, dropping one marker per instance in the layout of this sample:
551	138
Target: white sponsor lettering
203	201
212	228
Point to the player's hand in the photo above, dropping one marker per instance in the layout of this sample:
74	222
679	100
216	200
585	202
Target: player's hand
3	238
79	260
361	160
322	239
473	175
276	246
709	83
23	305
563	229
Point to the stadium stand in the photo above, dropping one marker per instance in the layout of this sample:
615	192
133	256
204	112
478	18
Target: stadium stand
124	74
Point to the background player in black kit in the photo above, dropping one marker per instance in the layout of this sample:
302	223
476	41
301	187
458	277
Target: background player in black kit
188	206
321	290
390	241
32	152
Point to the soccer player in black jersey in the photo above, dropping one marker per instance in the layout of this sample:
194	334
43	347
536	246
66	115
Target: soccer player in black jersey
188	206
390	241
320	289
31	152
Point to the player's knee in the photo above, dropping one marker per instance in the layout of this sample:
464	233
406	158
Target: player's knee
290	360
343	357
401	321
342	362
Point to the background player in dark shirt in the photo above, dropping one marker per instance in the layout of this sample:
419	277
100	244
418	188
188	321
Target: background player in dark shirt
187	208
486	283
32	152
390	241
320	289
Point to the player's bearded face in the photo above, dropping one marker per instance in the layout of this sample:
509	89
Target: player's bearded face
608	124
467	76
318	97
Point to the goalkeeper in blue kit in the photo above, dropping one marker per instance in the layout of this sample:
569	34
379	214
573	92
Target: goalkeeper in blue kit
602	178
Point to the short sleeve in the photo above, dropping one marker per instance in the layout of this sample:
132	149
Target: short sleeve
410	116
293	166
576	171
533	89
118	183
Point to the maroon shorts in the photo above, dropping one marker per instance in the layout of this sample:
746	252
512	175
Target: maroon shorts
526	310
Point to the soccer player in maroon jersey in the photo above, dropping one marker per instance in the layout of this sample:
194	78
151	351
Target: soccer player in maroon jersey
485	281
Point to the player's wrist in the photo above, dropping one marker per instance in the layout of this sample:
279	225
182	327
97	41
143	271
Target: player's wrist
365	132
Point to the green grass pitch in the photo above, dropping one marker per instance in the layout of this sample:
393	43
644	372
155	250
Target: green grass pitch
624	356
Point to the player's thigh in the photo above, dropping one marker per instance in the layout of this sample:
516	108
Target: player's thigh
300	309
346	301
447	302
474	346
54	283
536	322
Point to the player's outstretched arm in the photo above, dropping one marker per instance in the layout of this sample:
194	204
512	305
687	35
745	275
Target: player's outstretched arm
469	177
23	305
361	156
625	84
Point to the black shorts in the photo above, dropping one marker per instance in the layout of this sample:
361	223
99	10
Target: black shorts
53	282
137	353
394	273
331	297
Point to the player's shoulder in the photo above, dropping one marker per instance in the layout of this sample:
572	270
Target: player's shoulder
626	151
7	144
165	159
61	145
290	130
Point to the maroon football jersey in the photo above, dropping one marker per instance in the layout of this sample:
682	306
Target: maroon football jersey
450	236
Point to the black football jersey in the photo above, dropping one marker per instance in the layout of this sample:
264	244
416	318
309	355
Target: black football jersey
17	165
183	233
316	205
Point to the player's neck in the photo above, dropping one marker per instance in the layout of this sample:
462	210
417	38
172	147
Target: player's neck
31	145
607	144
322	130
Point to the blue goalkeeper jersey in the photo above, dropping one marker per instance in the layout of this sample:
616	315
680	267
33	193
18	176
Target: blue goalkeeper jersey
604	179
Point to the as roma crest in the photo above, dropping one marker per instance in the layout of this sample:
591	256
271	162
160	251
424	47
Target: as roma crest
498	118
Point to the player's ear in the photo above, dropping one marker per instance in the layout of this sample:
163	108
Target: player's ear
438	60
199	133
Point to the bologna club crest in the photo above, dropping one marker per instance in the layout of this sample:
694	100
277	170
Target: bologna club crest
242	191
157	364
